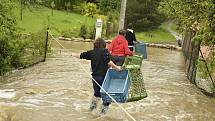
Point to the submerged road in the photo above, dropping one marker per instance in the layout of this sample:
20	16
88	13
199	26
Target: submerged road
59	90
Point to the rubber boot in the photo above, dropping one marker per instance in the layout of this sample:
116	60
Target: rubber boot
94	103
104	109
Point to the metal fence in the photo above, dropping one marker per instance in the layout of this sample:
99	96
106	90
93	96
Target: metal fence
30	49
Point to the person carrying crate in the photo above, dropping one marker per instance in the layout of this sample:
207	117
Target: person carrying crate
119	48
100	62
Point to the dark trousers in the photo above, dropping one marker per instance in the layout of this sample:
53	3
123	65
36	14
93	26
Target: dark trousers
118	60
96	88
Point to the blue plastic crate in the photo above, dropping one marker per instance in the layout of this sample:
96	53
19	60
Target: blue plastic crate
117	85
140	48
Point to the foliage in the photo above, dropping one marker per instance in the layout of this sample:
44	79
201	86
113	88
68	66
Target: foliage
29	49
69	33
83	31
109	6
62	4
203	72
144	14
196	16
15	50
88	9
7	33
91	32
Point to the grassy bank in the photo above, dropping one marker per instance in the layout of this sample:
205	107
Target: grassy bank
160	35
34	19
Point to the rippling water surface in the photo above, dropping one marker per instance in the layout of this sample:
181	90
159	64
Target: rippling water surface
59	90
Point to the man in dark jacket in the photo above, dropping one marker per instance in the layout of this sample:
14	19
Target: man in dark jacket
130	36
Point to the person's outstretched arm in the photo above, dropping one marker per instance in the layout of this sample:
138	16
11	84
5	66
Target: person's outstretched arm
84	55
77	55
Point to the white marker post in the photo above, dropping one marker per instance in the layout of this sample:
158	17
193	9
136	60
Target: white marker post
98	28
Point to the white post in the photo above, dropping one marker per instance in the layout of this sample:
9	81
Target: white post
98	28
122	14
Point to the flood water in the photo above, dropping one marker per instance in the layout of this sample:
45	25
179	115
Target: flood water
60	90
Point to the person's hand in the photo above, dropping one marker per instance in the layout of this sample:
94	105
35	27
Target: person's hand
118	68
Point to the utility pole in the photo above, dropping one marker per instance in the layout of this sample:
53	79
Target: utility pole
122	14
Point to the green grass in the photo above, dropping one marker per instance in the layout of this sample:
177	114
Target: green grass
174	27
160	35
35	19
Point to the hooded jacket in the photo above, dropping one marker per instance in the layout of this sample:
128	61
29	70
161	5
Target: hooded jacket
119	47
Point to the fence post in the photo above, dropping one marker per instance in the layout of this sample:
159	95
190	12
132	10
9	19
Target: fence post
46	45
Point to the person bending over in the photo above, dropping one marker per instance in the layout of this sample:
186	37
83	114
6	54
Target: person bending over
119	49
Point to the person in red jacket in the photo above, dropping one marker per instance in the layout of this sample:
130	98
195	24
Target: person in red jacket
119	48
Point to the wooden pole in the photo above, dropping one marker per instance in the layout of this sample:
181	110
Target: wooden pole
46	45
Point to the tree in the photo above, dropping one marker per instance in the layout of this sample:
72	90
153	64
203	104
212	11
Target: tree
88	9
107	6
197	17
7	33
52	6
144	14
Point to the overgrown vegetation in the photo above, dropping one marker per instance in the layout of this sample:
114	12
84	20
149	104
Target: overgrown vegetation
17	50
7	34
199	18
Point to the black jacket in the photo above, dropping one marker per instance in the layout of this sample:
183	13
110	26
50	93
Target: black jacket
130	37
99	60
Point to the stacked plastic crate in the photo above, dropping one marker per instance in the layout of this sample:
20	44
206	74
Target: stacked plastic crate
137	89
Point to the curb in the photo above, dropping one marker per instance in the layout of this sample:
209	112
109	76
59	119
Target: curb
75	39
166	46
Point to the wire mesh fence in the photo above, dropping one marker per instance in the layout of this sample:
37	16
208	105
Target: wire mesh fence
27	50
192	52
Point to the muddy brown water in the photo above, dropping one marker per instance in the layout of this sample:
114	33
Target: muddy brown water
59	90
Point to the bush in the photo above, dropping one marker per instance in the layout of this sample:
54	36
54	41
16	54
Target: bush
91	32
7	33
83	31
88	9
69	33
